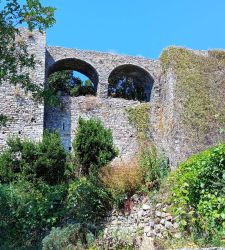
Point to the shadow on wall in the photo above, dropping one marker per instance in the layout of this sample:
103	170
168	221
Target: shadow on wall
130	82
58	119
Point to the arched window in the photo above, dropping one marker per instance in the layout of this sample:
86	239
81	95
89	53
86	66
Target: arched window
73	77
130	82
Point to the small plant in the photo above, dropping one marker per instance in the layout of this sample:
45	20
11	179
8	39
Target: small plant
93	145
153	167
74	236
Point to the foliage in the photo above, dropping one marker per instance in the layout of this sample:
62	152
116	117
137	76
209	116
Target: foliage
15	59
93	145
118	241
3	120
153	168
196	88
139	117
88	200
73	236
198	192
45	160
122	180
66	82
128	88
27	211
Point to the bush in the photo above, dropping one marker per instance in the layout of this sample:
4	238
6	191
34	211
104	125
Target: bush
88	200
122	179
152	167
198	192
27	211
93	145
74	236
45	160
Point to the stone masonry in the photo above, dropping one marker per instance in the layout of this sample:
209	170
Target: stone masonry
29	118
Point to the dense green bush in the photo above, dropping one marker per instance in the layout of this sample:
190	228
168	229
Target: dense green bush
73	236
27	211
45	160
88	200
93	145
198	192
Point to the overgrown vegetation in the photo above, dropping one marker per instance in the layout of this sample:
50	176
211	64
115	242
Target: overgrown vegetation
40	187
196	89
139	116
198	195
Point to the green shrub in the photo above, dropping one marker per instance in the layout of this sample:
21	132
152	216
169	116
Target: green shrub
93	145
153	168
74	236
198	192
88	200
27	211
45	160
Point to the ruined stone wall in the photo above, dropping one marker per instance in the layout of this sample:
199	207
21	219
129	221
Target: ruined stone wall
111	111
26	116
176	131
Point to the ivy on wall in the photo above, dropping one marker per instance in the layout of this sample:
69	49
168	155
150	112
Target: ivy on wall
139	116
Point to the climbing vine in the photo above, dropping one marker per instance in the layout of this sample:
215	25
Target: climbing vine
139	117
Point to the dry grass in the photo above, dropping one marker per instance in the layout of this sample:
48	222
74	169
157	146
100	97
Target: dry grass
122	177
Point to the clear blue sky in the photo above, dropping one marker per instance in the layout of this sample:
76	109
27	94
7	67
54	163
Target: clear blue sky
138	27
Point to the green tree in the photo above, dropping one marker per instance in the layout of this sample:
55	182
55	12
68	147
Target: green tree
93	145
14	56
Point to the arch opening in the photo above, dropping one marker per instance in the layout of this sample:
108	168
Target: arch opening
72	77
130	82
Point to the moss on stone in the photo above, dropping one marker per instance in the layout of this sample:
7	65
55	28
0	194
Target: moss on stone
139	116
198	102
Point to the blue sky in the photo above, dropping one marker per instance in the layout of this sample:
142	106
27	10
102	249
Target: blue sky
138	27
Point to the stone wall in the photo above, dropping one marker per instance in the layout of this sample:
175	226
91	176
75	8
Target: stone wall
26	116
143	218
111	111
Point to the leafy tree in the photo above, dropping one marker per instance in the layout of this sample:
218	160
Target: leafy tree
93	145
14	56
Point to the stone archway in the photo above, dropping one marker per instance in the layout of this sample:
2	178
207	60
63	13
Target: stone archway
130	82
